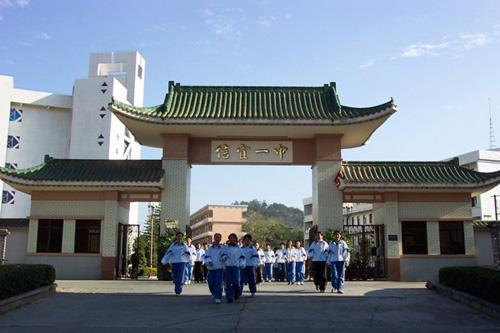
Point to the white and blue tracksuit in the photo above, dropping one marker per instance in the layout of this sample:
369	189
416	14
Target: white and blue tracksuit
234	260
338	256
300	267
318	252
213	256
290	255
190	263
178	255
248	272
280	263
268	264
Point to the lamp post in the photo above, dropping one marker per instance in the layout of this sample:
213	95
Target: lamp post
151	226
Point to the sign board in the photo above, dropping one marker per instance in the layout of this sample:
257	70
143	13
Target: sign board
171	224
230	151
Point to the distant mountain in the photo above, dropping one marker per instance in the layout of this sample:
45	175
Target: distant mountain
289	215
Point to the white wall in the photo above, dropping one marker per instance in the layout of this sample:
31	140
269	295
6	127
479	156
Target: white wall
42	131
6	86
17	242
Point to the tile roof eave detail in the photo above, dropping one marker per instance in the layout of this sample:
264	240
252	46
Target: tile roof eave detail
276	122
44	183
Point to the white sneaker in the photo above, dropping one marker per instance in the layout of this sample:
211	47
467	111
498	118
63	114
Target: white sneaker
217	301
333	290
340	291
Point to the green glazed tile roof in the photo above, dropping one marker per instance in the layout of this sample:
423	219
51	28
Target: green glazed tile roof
251	103
106	171
416	173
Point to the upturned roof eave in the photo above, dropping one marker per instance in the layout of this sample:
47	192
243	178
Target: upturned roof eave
28	186
252	121
462	187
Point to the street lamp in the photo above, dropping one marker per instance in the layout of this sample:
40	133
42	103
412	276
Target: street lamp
151	226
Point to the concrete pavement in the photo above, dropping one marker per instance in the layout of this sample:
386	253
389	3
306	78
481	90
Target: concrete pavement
109	306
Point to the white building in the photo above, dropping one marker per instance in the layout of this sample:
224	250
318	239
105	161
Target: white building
38	123
483	205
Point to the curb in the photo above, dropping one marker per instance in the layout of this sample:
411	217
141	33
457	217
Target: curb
26	298
488	308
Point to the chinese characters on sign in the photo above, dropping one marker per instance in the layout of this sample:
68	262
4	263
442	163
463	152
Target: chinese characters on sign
252	152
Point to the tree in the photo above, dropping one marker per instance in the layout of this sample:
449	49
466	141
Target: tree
288	215
268	230
152	223
141	246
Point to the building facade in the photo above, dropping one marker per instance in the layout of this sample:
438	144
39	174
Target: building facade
38	123
212	219
483	205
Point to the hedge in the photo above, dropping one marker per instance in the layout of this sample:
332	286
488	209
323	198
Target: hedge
18	279
478	281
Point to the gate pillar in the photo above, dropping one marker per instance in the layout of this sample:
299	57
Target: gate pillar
175	195
327	199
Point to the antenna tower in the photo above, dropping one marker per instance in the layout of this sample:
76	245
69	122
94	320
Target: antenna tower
492	134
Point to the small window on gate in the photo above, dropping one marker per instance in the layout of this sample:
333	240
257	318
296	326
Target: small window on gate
88	236
414	237
49	236
451	237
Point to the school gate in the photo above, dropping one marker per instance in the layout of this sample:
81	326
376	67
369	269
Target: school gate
253	126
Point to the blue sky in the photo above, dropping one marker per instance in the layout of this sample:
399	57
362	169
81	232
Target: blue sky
439	60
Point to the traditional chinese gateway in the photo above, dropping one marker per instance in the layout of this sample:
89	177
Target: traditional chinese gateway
255	125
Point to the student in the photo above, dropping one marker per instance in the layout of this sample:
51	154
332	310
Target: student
190	263
198	263
338	257
290	255
258	269
268	263
178	255
318	252
300	263
280	260
213	262
251	261
204	267
233	260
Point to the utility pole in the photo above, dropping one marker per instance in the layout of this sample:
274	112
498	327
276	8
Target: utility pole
496	208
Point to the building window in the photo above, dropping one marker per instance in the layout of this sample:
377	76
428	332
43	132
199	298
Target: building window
451	237
139	71
371	218
49	238
13	141
308	210
88	236
414	236
12	166
16	115
474	201
8	197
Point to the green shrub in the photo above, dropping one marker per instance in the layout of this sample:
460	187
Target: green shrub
478	281
18	279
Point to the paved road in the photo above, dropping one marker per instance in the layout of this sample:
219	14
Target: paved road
139	306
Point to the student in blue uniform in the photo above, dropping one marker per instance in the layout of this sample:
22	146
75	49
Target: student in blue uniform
318	252
268	263
178	255
258	269
233	260
190	264
213	261
280	261
251	261
290	255
338	257
300	262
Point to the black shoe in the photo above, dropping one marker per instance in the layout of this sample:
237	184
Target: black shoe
230	301
317	287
